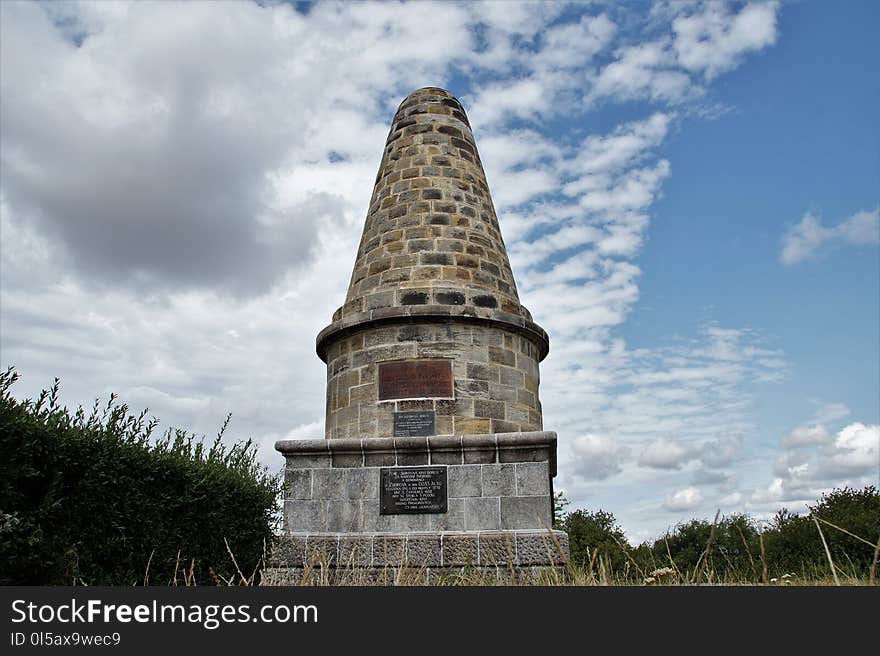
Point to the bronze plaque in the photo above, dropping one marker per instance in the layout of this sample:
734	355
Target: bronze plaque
415	379
413	424
412	490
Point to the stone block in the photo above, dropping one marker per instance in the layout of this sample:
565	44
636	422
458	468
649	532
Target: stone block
322	550
478	449
297	483
497	549
464	481
355	551
443	426
499	480
532	479
540	548
423	550
289	551
524	454
445	450
411	451
369	515
469	426
302	516
481	514
379	459
452	519
525	512
459	550
361	483
304	460
389	551
328	484
490	409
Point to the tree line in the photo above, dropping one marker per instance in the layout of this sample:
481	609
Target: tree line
837	538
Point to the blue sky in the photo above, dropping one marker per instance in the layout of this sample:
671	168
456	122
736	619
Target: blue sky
688	193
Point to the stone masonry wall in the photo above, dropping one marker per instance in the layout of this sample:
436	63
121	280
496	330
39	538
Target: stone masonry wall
495	378
431	222
481	497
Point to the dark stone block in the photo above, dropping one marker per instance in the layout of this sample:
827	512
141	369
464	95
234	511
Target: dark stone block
485	301
491	268
490	409
449	298
436	258
413	298
414	334
464	145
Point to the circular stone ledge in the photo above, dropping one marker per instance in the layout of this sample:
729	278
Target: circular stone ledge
353	323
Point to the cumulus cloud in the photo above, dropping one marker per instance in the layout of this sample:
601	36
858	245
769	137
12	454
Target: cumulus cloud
665	454
599	456
805	239
686	499
806	436
856	450
711	40
813	462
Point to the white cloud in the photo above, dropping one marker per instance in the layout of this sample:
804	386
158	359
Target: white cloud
686	499
712	41
599	456
665	454
641	71
805	238
806	435
857	450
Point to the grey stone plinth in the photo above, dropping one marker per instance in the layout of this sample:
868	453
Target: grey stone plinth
498	508
363	555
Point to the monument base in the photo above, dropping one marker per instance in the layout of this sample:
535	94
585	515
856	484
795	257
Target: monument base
374	510
419	558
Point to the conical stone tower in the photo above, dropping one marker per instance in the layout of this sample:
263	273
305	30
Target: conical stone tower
432	287
434	455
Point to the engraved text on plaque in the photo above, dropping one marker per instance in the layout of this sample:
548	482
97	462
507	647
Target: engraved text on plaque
413	424
411	490
415	379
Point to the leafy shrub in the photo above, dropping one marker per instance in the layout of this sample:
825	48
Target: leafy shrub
595	533
93	500
795	545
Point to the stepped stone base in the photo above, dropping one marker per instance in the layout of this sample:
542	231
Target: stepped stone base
418	558
497	517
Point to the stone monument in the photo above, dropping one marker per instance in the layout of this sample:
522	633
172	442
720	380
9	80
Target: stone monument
434	455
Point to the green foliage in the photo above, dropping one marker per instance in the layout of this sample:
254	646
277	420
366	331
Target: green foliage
559	505
795	545
595	534
729	545
93	500
733	549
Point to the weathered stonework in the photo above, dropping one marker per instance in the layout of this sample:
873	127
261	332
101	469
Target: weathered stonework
432	281
495	378
434	458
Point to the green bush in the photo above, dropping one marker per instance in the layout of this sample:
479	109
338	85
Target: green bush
729	546
94	500
595	534
794	544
